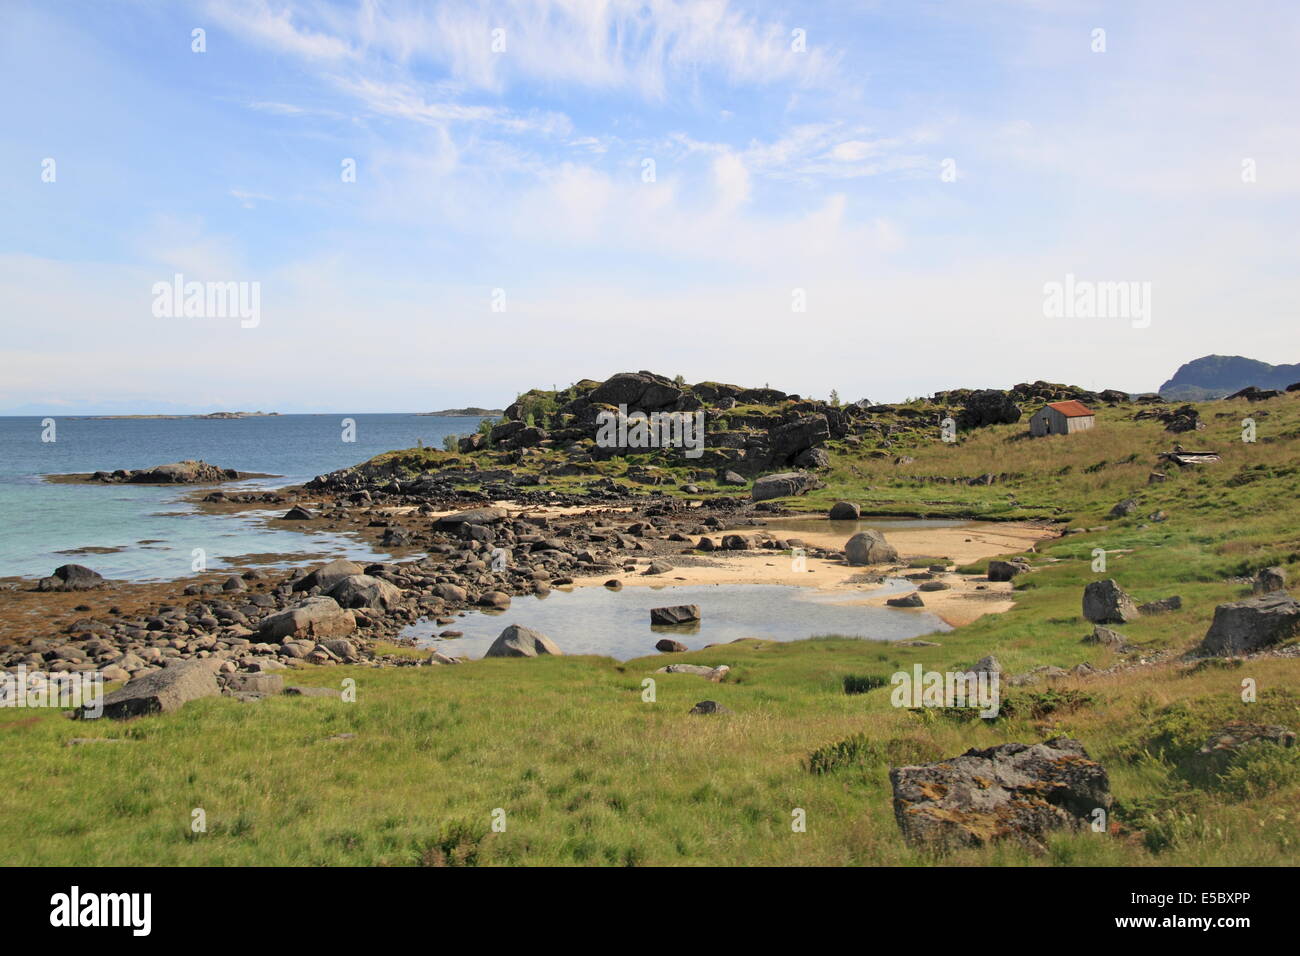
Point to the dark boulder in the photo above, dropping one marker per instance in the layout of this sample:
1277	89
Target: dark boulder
71	577
639	391
677	614
988	407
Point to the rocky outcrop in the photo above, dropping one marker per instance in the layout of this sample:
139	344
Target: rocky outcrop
988	407
1012	791
188	472
1257	623
1104	602
643	391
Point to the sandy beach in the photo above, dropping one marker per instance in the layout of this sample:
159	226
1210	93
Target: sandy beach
968	598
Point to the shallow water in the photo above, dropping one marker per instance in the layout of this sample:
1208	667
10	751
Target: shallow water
595	620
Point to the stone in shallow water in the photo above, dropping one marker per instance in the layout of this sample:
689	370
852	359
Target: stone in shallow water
677	614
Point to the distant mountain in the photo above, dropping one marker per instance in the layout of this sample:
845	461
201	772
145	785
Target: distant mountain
1214	376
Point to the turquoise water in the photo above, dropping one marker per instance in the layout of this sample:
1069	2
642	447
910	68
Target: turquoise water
154	529
595	620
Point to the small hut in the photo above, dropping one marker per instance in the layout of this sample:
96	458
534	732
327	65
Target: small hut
1061	418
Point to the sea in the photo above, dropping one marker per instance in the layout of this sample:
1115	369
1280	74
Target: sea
150	533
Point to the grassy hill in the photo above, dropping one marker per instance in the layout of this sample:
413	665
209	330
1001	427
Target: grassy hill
588	773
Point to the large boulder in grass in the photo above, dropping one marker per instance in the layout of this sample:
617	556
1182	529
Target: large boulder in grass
163	691
71	577
784	485
361	590
1012	791
519	641
328	575
1105	602
1243	627
318	618
869	547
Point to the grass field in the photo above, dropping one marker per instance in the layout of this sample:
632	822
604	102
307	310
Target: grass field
584	771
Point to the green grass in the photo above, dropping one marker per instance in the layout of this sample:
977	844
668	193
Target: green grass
586	772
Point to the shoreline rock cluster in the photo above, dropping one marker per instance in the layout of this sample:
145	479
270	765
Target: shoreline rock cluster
475	559
187	472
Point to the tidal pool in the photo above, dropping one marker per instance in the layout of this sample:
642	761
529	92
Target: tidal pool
595	620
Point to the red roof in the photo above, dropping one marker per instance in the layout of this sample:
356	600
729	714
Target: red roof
1071	409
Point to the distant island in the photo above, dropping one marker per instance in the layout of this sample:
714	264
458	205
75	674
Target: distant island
209	415
464	413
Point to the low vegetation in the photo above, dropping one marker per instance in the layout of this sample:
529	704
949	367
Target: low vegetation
583	771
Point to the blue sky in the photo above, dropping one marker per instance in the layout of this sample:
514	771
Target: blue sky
522	170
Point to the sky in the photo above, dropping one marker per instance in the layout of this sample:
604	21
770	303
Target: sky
446	203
